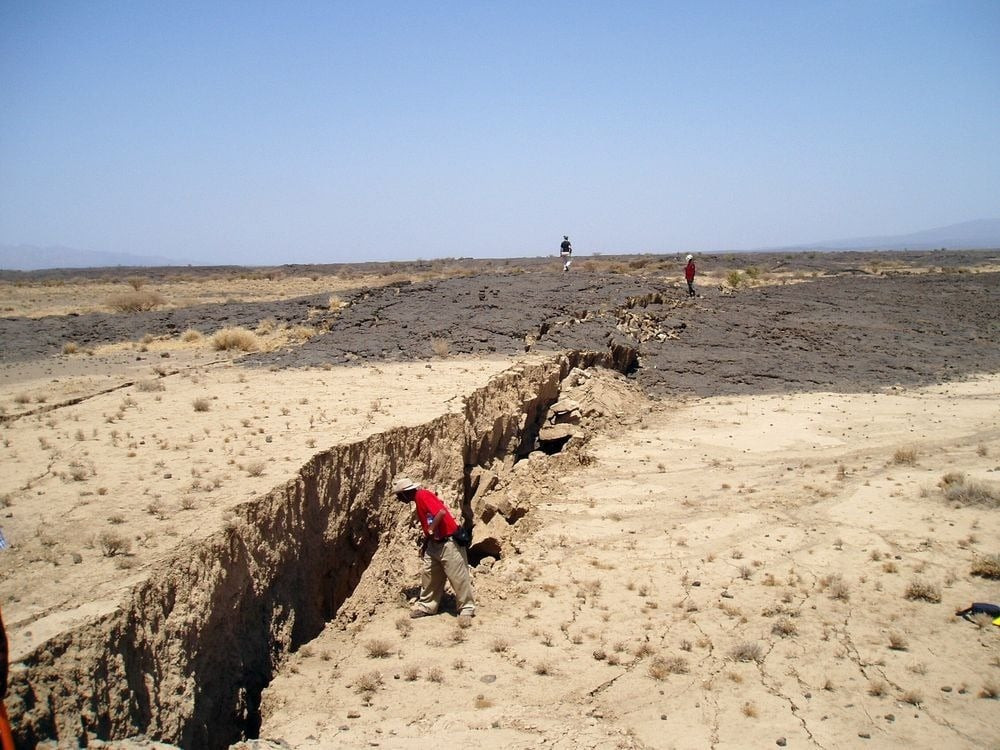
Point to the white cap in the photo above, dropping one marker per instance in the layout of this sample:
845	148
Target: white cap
404	484
690	257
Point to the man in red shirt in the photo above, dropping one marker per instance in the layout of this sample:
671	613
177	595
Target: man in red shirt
689	272
442	557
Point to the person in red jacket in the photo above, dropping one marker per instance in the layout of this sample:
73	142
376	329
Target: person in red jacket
440	553
689	271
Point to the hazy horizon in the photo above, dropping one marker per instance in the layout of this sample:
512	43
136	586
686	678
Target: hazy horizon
261	135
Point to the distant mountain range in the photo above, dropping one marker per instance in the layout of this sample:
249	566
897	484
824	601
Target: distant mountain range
969	235
33	258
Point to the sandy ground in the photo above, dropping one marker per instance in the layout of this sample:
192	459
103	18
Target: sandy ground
728	572
135	461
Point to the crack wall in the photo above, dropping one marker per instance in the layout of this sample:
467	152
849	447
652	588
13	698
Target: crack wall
186	655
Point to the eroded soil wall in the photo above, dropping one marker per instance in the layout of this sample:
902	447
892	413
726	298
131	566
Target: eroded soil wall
186	656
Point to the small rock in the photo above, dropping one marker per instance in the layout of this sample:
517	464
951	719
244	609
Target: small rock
962	691
890	717
168	475
696	584
781	742
946	688
864	735
807	695
353	715
344	727
663	717
488	678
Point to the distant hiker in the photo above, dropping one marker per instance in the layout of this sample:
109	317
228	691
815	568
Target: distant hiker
689	271
566	252
442	552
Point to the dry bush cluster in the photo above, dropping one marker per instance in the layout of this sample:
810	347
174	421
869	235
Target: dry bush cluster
138	300
237	338
919	589
960	490
987	566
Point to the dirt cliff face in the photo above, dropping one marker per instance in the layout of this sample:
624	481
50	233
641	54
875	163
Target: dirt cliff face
187	655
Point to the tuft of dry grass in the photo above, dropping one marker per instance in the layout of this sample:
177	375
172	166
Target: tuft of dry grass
499	645
747	651
191	335
960	491
913	697
660	667
411	673
150	385
201	404
440	347
897	641
378	649
877	688
368	683
138	300
784	627
749	710
434	674
905	457
237	338
255	468
919	589
987	566
70	347
404	625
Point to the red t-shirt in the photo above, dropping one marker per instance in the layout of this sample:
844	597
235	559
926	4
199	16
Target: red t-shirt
427	506
689	271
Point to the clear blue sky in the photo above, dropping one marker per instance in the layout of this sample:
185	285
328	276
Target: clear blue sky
270	132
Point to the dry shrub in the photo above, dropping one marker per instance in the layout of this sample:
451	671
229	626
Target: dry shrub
919	589
749	710
913	697
368	683
987	566
255	468
135	301
237	338
959	490
112	543
411	673
747	651
191	335
336	303
784	627
876	689
499	645
301	333
662	666
897	641
152	384
70	347
201	404
434	674
439	347
378	649
137	282
905	456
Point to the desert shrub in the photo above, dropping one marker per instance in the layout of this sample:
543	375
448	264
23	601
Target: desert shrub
255	468
301	333
191	335
987	566
236	338
368	683
135	301
113	543
897	641
70	347
201	404
905	456
660	667
152	384
440	347
434	674
784	627
137	282
747	651
919	589
876	689
336	303
734	279
913	697
753	273
378	649
963	491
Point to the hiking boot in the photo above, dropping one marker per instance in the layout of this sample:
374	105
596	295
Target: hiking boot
467	613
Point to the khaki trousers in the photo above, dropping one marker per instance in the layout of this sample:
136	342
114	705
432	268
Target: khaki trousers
445	560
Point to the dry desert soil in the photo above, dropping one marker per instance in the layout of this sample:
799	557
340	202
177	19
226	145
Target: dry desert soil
744	519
